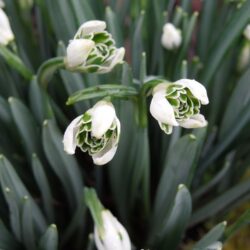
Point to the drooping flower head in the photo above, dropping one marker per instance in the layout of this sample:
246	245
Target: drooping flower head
6	34
114	236
178	104
171	37
97	132
93	49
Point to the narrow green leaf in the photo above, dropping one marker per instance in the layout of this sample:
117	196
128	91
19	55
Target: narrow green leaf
44	187
230	197
49	240
26	126
28	234
7	241
15	62
212	236
64	166
242	221
176	223
230	33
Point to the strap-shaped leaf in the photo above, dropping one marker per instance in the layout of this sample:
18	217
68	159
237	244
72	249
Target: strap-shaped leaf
7	241
26	126
212	236
49	240
11	181
28	233
177	221
44	187
64	166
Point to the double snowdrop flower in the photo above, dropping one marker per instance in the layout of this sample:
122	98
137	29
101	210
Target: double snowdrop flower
114	236
171	37
178	104
6	34
93	49
97	132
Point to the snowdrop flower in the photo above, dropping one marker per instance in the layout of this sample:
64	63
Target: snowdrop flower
171	37
178	104
93	49
247	32
6	34
97	132
114	236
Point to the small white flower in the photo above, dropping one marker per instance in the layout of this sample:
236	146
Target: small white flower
178	104
97	132
114	235
171	37
6	34
247	32
93	49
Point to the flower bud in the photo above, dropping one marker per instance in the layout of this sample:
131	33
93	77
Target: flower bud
97	132
247	32
2	4
171	37
6	34
178	104
114	236
93	49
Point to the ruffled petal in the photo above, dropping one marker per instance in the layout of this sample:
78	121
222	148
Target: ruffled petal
161	109
103	115
196	88
69	138
78	51
196	121
89	27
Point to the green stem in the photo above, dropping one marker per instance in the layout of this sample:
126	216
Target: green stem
48	69
14	61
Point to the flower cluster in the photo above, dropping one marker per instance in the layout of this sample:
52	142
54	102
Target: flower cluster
93	49
178	104
6	35
97	132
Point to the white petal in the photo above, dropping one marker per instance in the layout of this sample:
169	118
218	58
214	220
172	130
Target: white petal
93	26
196	121
161	109
6	34
171	37
160	87
247	32
215	246
69	138
244	58
196	88
106	155
78	51
115	59
103	115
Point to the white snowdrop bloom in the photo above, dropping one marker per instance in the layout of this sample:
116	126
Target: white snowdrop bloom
93	49
97	132
247	32
6	34
178	104
171	37
114	236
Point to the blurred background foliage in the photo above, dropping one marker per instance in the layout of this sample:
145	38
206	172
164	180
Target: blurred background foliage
42	186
